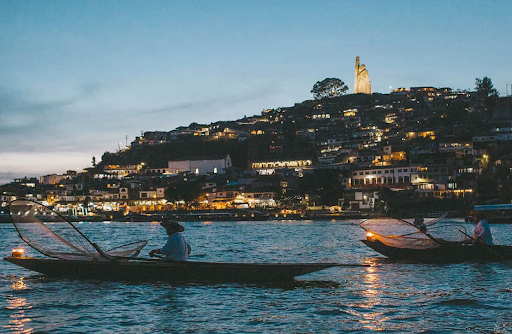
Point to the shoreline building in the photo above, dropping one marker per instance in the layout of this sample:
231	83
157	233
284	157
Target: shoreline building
200	166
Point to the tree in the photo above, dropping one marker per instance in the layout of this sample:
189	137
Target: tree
324	184
186	191
329	87
487	93
485	88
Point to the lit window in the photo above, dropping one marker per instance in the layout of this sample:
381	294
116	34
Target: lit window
215	170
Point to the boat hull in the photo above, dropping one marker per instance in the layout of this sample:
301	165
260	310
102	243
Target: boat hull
186	271
445	253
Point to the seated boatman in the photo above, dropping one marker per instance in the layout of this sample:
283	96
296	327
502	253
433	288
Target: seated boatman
419	222
482	233
176	248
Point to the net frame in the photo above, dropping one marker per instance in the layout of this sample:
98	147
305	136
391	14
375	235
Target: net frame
82	249
398	233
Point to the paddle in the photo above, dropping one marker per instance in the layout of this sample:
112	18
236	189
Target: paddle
436	240
484	245
437	220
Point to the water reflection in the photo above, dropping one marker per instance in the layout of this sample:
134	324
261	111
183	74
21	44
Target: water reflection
19	322
372	294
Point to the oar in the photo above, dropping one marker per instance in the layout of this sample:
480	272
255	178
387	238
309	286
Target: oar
484	245
436	220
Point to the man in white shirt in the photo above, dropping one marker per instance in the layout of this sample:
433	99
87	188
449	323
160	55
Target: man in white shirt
176	248
482	232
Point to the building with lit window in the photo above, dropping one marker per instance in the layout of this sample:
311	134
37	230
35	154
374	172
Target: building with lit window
270	167
200	166
385	176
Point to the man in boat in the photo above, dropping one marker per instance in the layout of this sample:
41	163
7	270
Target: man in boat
482	232
419	222
176	248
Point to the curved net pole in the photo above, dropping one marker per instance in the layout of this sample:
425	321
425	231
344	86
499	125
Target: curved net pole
55	241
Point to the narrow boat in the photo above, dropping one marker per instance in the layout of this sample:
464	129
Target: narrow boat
436	243
160	270
72	254
448	252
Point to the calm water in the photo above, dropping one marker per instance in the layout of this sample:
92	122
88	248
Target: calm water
392	297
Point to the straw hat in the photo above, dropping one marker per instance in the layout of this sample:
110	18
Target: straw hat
173	225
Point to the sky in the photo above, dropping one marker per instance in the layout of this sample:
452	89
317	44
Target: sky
77	77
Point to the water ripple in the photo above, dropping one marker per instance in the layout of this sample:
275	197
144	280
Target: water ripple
388	296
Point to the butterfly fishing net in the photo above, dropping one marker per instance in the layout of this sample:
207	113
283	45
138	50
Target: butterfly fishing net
399	233
52	235
128	250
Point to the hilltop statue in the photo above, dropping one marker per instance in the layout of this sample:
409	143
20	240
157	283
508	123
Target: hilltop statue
362	80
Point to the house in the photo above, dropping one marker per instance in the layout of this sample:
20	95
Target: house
359	199
200	166
385	176
121	171
270	167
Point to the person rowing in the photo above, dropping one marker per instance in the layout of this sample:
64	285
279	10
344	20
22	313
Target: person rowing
482	232
419	222
176	248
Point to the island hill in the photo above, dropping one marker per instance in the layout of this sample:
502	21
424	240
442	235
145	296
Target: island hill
413	151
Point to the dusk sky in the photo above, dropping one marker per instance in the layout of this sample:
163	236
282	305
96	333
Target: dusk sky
76	77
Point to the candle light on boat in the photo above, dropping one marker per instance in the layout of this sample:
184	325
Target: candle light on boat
17	252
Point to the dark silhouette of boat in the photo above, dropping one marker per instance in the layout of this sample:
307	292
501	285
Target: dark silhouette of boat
448	252
176	271
438	242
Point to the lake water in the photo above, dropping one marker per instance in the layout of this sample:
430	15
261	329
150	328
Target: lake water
389	296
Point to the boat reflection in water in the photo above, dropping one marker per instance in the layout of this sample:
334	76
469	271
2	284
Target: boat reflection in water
19	322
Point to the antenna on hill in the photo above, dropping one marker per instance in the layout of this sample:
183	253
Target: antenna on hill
126	139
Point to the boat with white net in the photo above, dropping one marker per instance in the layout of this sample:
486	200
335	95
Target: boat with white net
401	240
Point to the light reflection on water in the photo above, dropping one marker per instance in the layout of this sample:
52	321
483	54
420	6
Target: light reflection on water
388	296
19	322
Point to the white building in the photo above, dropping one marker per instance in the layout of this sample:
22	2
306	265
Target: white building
120	171
384	175
269	167
152	194
200	166
52	178
464	148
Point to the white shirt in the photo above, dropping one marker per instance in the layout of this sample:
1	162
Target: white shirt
176	248
482	232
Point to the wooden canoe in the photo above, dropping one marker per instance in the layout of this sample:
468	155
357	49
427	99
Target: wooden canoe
448	252
180	271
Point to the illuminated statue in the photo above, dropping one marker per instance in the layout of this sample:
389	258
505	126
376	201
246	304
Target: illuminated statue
362	80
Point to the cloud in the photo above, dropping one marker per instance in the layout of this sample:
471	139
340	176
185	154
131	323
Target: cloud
20	164
42	136
30	123
9	177
20	112
214	103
